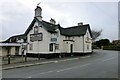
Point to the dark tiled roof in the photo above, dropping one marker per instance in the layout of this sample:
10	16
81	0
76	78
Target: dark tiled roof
13	39
75	31
71	31
48	26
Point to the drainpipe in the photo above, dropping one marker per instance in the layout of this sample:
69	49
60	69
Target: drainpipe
38	51
83	44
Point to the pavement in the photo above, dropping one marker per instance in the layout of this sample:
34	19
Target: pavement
38	62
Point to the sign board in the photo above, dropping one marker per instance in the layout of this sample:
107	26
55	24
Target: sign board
36	37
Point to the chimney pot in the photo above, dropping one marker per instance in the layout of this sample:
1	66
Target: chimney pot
80	23
52	21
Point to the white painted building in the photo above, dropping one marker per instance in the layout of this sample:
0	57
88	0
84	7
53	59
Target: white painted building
9	49
50	38
15	45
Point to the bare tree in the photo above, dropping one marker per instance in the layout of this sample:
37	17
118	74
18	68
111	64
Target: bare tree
96	34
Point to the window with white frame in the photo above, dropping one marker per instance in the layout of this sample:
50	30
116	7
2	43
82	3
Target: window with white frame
87	47
51	47
30	46
57	46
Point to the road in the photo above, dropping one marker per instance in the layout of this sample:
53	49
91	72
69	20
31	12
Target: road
101	64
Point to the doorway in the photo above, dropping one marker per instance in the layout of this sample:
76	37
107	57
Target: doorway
71	48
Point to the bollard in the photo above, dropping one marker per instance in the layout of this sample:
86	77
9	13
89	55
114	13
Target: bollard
25	58
8	59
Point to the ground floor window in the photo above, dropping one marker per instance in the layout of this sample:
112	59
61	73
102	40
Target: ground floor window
57	46
87	47
51	47
30	46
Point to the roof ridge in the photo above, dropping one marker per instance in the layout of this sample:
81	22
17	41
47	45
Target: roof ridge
49	23
76	26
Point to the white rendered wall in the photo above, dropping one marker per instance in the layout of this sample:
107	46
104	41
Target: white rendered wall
89	43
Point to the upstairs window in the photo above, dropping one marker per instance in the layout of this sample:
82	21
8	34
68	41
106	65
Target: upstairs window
35	29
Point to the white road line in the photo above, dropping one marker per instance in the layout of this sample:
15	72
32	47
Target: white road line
86	57
47	72
68	59
29	77
62	69
73	67
108	59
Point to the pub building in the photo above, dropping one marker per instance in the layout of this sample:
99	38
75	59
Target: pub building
48	39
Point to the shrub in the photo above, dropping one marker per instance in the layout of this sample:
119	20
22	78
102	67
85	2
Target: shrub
112	47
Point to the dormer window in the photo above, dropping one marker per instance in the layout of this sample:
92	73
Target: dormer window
35	29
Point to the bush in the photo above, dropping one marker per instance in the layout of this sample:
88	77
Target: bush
112	47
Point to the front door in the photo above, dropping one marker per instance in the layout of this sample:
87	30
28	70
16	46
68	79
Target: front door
71	48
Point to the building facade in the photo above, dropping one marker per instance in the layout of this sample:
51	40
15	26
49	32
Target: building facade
50	39
15	45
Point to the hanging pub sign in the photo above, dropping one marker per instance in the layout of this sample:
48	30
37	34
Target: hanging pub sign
36	37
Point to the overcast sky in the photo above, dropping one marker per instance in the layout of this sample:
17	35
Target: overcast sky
16	15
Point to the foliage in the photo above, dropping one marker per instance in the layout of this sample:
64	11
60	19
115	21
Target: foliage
105	45
112	47
102	42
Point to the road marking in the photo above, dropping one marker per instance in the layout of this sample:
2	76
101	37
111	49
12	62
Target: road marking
68	59
62	69
73	67
56	61
86	57
47	72
29	77
108	59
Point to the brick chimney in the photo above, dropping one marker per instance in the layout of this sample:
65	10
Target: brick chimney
38	13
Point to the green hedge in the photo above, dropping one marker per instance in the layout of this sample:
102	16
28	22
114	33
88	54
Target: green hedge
112	47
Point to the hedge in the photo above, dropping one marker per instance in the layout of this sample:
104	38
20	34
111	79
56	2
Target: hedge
112	47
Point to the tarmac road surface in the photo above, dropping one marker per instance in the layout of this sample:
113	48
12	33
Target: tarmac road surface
102	64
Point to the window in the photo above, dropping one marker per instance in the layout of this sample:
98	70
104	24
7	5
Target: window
35	29
53	39
51	47
30	46
57	46
87	47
